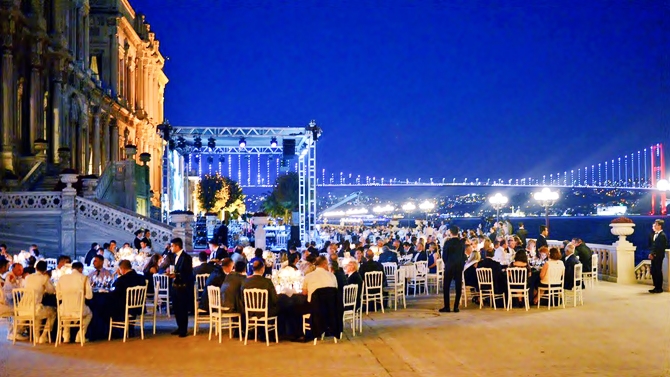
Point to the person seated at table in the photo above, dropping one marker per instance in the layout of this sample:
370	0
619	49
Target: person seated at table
420	254
258	256
470	268
530	248
30	269
13	280
128	278
370	265
205	267
570	261
99	273
488	246
388	256
110	253
75	282
216	279
340	276
307	264
292	261
353	277
144	247
40	283
149	270
553	263
499	279
91	253
541	257
217	252
433	257
4	267
62	261
231	289
258	281
500	254
359	254
321	277
407	249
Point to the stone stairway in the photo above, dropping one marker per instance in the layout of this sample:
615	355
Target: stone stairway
47	183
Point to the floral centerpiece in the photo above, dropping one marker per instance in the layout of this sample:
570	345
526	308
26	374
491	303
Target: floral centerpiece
269	257
135	258
22	258
249	252
288	281
622	220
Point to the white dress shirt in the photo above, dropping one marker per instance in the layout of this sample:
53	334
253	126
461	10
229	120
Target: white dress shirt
74	282
319	278
41	284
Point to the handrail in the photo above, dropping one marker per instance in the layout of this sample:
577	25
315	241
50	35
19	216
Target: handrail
105	180
122	219
34	200
35	173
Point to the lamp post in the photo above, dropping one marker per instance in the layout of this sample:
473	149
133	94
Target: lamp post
426	207
546	198
663	186
498	201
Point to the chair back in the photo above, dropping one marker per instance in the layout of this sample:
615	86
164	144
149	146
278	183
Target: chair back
373	280
256	301
70	303
485	277
350	295
400	277
136	297
421	268
517	277
556	274
389	270
200	281
578	276
161	284
24	302
594	264
214	296
440	266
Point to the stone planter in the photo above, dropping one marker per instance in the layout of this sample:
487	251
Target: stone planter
68	179
89	185
622	230
41	146
131	151
262	220
145	158
259	234
181	218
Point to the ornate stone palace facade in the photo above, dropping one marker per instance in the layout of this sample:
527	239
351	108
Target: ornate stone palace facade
80	80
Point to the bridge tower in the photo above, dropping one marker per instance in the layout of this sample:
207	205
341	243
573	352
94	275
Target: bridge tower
658	173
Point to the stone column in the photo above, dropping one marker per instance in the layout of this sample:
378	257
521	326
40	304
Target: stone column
259	234
97	169
114	52
114	142
84	129
625	253
68	231
57	115
8	82
86	30
36	101
80	14
105	149
131	85
183	228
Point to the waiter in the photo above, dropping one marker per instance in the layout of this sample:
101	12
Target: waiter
182	284
659	242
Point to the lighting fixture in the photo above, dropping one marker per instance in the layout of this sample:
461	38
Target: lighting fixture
243	143
273	142
211	143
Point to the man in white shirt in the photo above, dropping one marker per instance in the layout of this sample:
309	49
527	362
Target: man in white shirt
319	278
99	273
72	283
40	283
13	280
500	254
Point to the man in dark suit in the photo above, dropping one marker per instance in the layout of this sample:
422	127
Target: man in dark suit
499	278
215	279
371	265
453	254
570	262
388	256
222	235
584	254
182	286
205	267
216	251
139	235
542	238
523	234
128	278
659	242
258	281
231	289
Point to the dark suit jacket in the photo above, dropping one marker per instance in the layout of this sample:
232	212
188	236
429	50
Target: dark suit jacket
356	278
369	266
89	256
541	241
259	282
341	279
184	271
499	279
523	234
569	278
206	268
453	253
659	245
388	256
231	289
584	254
220	254
215	279
129	280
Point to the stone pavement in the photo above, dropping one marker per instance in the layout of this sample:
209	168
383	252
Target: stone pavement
620	331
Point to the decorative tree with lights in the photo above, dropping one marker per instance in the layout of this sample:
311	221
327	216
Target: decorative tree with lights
212	193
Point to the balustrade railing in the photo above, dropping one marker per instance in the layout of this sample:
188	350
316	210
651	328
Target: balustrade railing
33	200
105	180
643	272
607	269
123	219
34	175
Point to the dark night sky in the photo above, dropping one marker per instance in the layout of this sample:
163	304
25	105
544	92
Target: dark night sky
426	88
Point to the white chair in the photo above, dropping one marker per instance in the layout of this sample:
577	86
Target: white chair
372	290
577	292
70	308
221	319
591	277
351	312
135	299
417	277
517	283
466	289
25	314
436	279
200	316
52	263
396	291
486	287
162	293
389	270
555	288
255	303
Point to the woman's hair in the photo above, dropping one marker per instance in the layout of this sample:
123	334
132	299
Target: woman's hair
545	250
554	253
488	245
521	256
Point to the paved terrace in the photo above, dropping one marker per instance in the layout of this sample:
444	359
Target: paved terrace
620	331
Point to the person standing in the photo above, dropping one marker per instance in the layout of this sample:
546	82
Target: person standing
182	286
542	238
453	254
522	233
659	242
